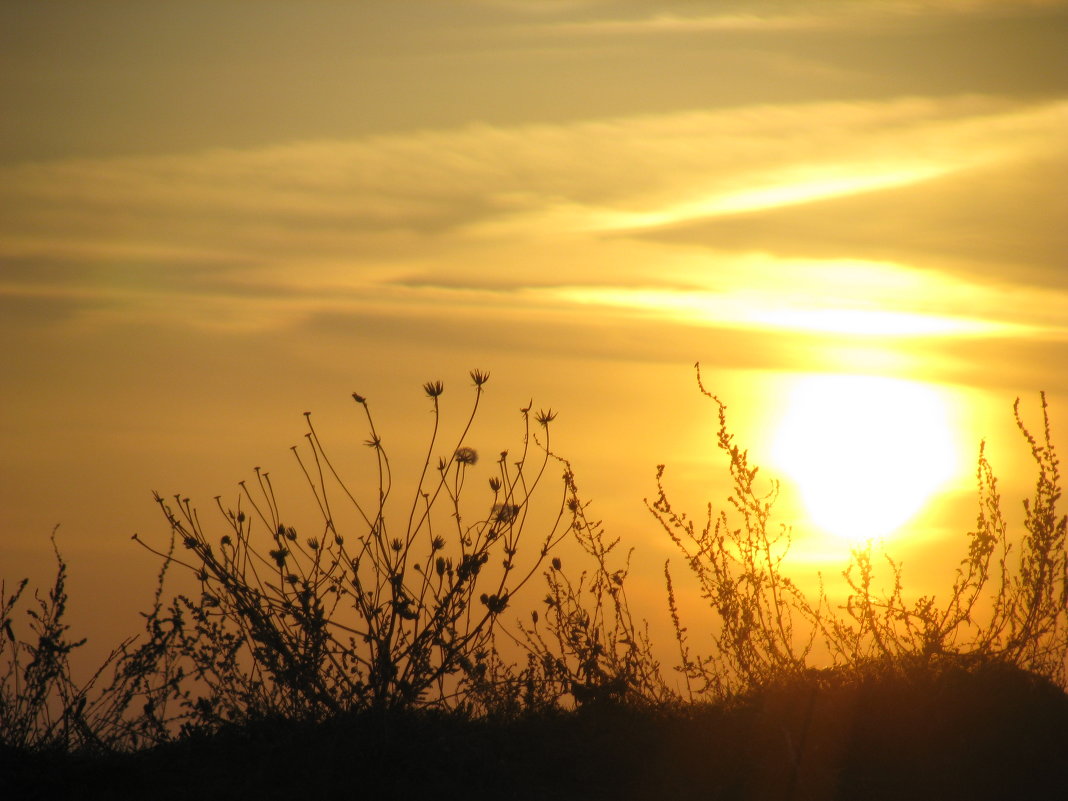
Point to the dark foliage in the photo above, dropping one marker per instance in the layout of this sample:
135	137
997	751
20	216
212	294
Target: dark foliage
946	732
388	654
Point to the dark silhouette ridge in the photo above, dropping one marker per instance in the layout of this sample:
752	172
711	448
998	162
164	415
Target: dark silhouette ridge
942	731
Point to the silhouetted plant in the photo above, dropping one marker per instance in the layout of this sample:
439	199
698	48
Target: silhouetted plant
398	613
42	705
38	700
1009	598
401	606
1008	602
738	567
589	645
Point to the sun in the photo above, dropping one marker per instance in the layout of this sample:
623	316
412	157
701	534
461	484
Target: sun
866	453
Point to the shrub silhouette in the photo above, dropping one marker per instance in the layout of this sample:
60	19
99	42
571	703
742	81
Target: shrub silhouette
382	617
1008	602
386	611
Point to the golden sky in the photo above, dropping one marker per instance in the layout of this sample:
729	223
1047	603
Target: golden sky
215	216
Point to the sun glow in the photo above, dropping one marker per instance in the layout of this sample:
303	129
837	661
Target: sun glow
805	186
866	453
768	310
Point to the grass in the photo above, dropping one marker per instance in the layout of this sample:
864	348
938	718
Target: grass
403	645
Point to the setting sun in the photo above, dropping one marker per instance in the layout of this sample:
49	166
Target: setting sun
865	452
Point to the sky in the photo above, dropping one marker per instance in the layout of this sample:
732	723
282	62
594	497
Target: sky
217	216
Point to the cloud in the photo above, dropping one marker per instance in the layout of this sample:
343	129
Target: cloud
796	17
996	224
677	201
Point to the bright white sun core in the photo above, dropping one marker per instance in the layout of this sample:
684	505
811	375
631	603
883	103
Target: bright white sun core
866	453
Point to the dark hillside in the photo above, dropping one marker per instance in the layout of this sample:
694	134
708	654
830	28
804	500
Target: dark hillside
951	732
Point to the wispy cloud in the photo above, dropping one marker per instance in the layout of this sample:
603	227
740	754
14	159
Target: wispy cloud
733	17
274	233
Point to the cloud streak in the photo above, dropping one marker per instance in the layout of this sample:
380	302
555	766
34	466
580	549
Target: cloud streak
273	234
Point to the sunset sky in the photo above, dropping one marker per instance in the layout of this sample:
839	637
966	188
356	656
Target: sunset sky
215	216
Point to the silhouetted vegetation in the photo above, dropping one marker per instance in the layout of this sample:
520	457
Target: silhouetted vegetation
404	645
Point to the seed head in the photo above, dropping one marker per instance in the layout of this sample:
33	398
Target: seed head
479	377
505	512
545	416
466	455
433	388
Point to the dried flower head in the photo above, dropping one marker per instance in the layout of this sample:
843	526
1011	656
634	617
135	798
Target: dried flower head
479	377
505	512
495	603
466	455
433	388
545	416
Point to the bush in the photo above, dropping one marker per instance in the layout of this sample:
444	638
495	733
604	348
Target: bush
392	607
1008	602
